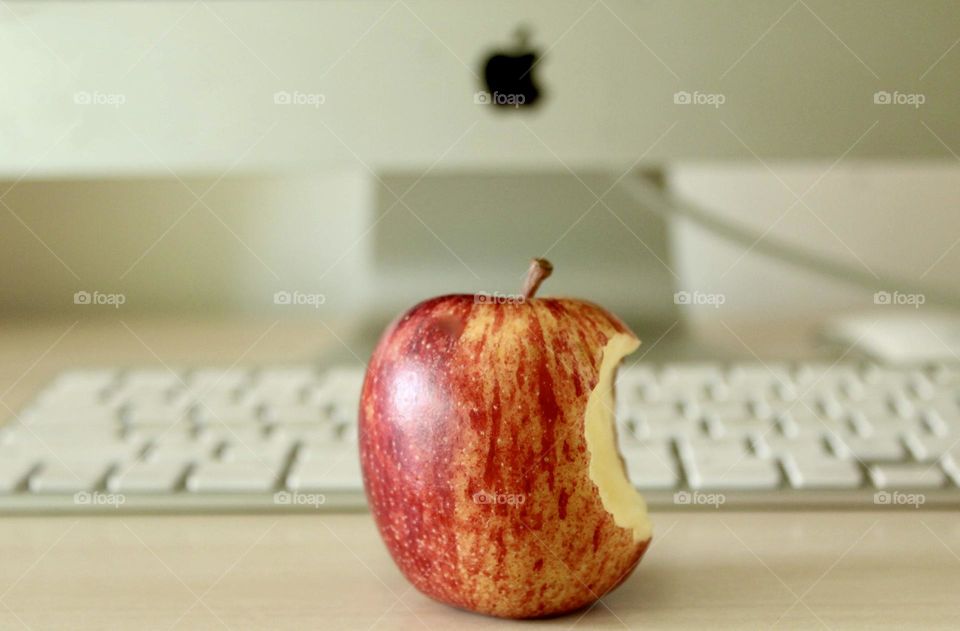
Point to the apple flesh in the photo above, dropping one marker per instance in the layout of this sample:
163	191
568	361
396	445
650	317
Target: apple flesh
489	453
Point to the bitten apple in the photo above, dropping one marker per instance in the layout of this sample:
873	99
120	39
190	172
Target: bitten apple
489	452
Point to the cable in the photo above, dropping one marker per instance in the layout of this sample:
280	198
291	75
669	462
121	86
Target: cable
649	194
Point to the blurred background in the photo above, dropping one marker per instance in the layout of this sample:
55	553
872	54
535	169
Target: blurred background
347	159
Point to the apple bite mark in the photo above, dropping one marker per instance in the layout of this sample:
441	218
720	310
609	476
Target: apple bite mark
619	497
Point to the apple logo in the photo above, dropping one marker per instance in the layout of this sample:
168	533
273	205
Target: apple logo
509	75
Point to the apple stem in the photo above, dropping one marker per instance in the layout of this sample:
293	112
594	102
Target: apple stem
540	270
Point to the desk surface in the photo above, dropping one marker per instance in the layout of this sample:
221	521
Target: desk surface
704	570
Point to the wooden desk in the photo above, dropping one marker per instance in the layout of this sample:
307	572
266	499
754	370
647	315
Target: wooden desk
720	569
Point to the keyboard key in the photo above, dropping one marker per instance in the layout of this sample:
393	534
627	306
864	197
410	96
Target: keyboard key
921	388
151	378
298	373
650	465
759	376
787	426
632	376
738	428
68	477
59	399
812	471
872	448
647	393
944	374
264	396
724	410
687	373
233	477
71	414
148	477
319	469
657	412
657	449
164	414
283	384
667	428
235	434
271	451
801	420
88	379
48	448
310	432
727	449
935	423
946	407
926	448
214	379
13	471
748	473
295	415
347	432
181	450
882	409
154	433
908	476
719	464
774	446
341	385
227	414
141	396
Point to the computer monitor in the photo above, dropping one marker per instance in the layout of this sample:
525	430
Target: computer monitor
508	122
401	84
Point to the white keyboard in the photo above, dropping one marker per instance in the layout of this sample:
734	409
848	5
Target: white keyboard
284	438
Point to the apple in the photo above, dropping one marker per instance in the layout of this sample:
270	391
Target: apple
489	452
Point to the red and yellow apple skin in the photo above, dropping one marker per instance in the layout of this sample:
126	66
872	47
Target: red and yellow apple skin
475	460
